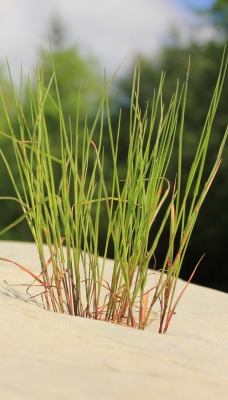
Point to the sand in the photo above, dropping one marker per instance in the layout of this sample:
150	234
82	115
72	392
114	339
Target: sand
44	355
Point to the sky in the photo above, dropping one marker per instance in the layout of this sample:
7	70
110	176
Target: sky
112	30
196	3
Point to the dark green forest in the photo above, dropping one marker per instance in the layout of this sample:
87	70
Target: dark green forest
79	75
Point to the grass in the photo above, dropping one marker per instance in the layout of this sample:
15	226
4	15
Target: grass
65	195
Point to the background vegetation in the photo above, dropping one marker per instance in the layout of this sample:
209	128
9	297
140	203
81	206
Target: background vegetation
77	75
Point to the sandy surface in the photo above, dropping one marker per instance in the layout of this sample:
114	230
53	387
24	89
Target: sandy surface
50	356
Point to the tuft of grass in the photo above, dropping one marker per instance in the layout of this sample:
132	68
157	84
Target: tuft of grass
65	195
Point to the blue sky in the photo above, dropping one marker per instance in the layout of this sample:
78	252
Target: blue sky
112	30
196	3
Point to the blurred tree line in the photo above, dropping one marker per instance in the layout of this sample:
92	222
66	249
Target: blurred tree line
76	75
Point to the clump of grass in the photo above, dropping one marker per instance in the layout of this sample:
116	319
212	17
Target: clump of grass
64	210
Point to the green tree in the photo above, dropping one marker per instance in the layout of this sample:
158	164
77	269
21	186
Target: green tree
211	236
218	15
79	81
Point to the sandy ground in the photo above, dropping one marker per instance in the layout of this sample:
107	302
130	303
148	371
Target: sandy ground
50	356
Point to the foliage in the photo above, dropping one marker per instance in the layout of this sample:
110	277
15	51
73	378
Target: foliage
203	73
218	14
62	195
79	82
79	75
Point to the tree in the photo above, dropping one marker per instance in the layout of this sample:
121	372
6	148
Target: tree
210	236
78	79
218	15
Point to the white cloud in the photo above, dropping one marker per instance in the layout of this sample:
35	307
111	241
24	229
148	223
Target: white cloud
111	29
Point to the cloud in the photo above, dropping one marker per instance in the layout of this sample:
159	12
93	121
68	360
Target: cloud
111	29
